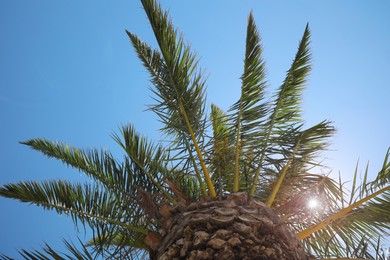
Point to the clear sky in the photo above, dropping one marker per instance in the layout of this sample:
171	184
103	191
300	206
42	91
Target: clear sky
68	73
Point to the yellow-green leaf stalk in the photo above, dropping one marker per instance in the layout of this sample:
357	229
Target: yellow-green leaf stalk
282	175
236	171
206	173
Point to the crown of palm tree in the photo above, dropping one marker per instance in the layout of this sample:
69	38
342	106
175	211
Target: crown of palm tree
258	146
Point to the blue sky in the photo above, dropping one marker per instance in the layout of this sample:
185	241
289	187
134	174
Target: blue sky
68	73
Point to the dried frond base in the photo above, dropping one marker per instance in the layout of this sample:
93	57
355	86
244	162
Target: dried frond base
230	227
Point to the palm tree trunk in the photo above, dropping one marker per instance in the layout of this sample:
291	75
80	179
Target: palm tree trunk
229	227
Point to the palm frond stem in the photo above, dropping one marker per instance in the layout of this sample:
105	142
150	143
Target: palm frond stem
206	173
197	173
237	156
282	175
257	174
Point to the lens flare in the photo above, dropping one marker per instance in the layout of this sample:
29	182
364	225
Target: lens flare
313	203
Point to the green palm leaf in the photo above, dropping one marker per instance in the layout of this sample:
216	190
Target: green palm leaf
142	169
384	174
222	150
309	142
99	165
314	140
86	204
281	128
248	112
78	201
179	86
80	252
146	162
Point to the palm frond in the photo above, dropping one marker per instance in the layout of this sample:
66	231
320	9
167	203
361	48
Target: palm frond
287	103
146	162
99	165
85	204
285	113
383	177
221	152
309	142
48	253
143	166
179	85
187	183
181	145
120	245
80	252
174	126
249	111
314	140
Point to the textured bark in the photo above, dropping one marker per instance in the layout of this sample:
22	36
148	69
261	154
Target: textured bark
230	227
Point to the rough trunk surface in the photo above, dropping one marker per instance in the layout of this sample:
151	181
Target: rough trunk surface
230	227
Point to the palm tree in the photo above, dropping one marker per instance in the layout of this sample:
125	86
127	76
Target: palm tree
231	185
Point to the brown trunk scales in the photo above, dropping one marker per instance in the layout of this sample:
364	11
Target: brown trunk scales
230	227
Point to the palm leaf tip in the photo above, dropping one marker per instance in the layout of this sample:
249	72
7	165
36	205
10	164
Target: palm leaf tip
290	93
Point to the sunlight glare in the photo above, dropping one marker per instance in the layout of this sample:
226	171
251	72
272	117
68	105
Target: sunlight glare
313	203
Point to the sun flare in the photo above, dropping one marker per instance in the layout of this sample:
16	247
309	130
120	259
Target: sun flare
313	203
